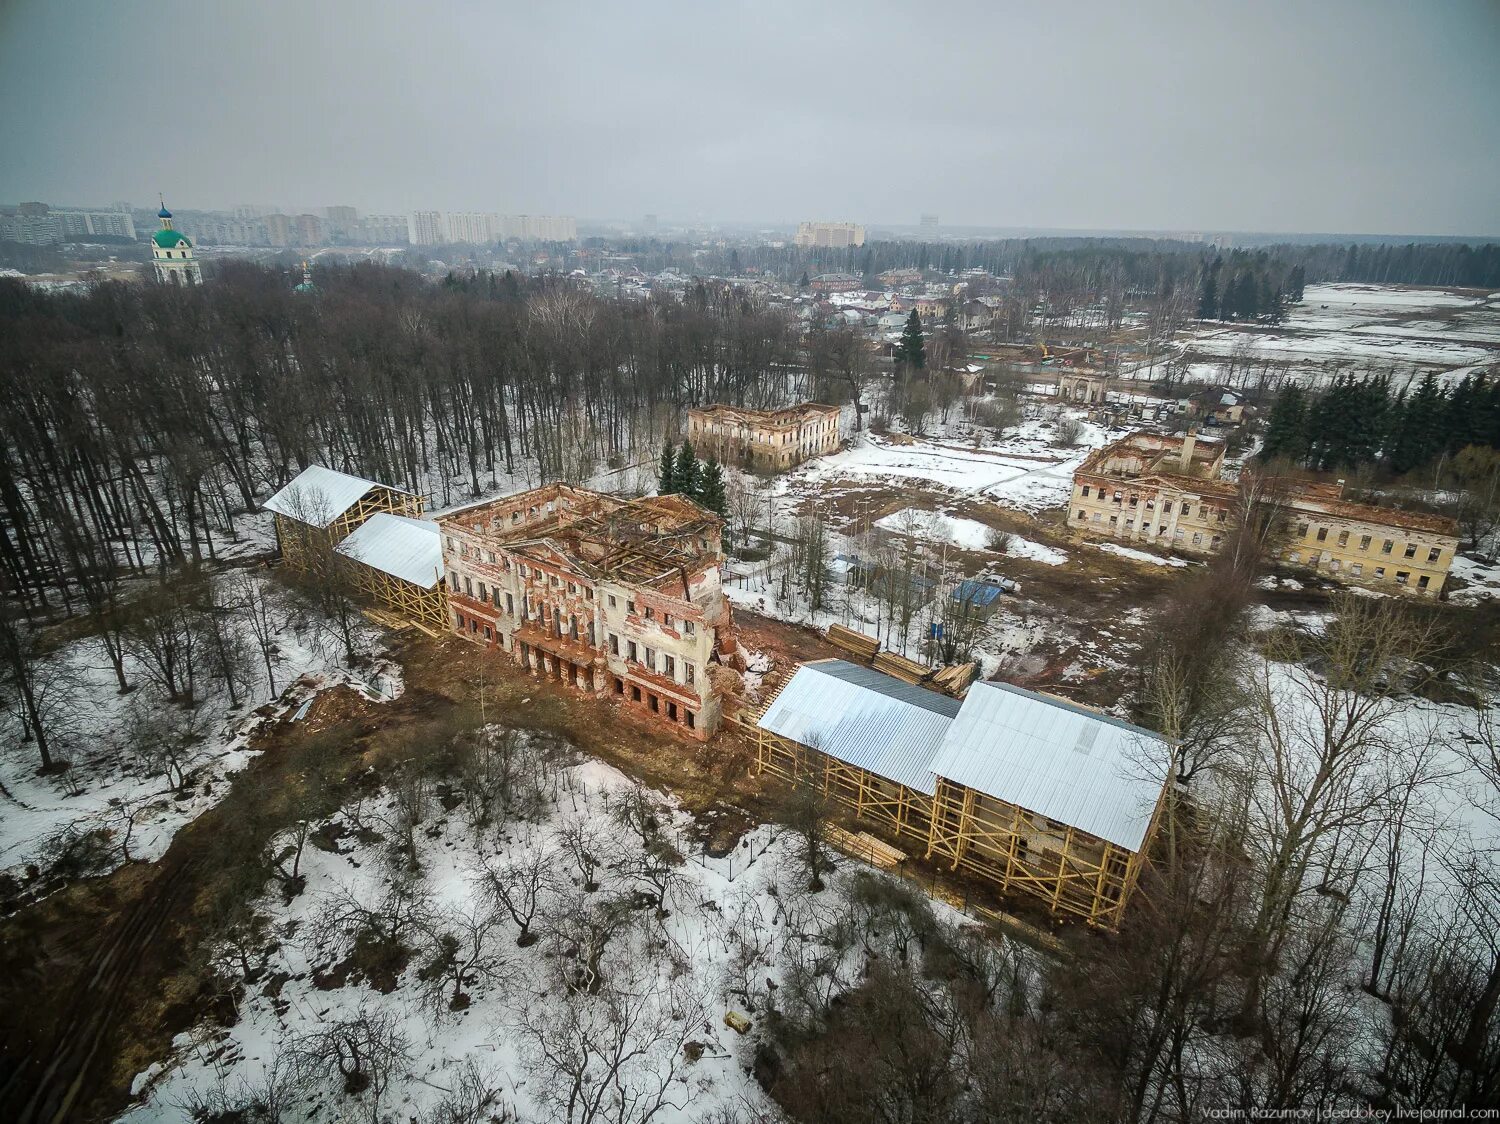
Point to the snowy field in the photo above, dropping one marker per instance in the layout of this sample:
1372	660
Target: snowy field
596	950
1364	326
121	788
1023	469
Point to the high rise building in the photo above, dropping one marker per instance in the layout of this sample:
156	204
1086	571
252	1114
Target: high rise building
929	220
830	235
279	230
540	228
479	227
172	254
341	220
382	229
81	225
34	224
426	228
309	230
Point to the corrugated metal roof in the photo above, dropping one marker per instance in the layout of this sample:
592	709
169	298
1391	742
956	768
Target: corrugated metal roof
1059	760
980	594
406	548
862	717
318	493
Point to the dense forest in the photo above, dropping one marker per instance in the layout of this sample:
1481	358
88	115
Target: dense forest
1359	421
141	419
1149	263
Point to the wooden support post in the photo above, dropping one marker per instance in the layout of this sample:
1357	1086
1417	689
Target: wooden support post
1062	868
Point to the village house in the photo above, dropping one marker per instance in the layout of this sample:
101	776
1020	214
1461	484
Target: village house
932	309
768	440
1029	792
836	283
619	598
1168	491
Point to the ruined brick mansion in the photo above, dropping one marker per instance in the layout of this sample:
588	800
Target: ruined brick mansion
612	596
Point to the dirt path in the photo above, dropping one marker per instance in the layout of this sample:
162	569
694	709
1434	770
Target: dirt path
97	978
53	1076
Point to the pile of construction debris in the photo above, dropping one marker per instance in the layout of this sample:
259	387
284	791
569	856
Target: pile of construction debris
953	679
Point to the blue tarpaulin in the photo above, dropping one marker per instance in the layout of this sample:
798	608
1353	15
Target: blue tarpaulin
981	595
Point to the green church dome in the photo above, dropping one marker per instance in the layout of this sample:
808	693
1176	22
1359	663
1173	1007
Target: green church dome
168	239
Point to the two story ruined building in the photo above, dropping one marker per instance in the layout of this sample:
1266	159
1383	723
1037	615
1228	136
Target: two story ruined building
1168	491
768	440
613	596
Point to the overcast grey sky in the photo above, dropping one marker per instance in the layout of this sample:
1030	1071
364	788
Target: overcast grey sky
1345	115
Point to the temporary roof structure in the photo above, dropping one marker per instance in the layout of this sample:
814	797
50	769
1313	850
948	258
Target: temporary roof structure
406	548
863	718
1048	756
1084	769
317	496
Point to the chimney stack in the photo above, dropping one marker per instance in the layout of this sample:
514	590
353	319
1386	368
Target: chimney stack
1188	444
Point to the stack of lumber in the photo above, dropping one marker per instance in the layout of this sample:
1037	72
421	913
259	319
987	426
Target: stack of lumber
387	620
857	644
955	678
908	671
863	845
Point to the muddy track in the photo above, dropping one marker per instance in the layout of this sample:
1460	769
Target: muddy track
45	1085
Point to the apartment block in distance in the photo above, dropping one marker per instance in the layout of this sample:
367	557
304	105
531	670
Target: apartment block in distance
619	598
1169	490
832	235
769	440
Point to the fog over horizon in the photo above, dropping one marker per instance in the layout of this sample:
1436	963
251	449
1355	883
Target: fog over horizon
1371	117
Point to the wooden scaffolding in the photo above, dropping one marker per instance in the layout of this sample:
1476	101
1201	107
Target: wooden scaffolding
304	543
1075	873
428	607
878	800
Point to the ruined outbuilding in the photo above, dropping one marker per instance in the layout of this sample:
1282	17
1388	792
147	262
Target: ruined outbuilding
765	440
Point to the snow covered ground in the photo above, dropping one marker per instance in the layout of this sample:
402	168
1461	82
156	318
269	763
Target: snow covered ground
1024	469
1138	555
934	526
1482	578
1370	326
1018	547
604	977
108	787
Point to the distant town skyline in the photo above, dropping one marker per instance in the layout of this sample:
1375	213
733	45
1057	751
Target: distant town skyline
1343	117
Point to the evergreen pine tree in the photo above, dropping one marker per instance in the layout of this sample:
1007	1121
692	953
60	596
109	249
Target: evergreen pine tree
666	472
1286	428
911	351
714	496
805	282
687	475
1208	299
1418	436
1295	281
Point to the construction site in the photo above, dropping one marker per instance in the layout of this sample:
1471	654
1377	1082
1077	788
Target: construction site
620	599
1028	792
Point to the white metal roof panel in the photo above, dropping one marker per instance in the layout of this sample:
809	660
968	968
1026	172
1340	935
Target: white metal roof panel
864	718
1089	771
319	495
405	548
